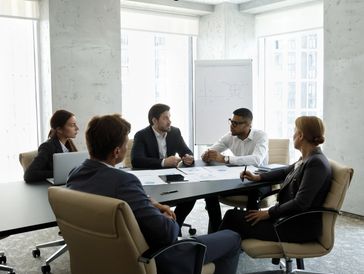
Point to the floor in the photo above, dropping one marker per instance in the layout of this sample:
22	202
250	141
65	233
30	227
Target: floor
347	255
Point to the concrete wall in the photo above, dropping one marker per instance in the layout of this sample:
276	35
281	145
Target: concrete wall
343	91
85	69
226	34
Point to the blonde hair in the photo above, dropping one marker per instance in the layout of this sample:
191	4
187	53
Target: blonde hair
312	128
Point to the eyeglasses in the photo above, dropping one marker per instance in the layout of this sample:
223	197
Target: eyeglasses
236	123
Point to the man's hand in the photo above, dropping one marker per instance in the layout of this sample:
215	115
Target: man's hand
171	161
255	216
212	155
205	156
166	210
187	160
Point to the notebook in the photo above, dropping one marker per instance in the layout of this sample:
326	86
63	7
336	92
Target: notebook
63	163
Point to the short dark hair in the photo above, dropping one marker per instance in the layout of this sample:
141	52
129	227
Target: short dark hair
105	133
58	120
244	112
156	111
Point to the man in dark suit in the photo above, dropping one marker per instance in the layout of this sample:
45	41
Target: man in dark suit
107	139
160	146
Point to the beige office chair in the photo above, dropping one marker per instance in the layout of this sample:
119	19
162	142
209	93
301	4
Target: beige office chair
103	236
127	159
278	153
25	159
341	177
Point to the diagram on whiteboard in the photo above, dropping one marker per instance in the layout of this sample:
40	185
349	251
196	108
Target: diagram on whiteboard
221	86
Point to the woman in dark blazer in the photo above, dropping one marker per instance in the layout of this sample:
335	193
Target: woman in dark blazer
305	186
63	129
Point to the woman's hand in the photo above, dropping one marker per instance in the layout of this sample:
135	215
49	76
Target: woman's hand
255	216
250	176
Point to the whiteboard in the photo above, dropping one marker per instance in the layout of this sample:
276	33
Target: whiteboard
221	86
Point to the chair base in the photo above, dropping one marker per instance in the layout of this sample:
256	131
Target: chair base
5	267
36	253
281	271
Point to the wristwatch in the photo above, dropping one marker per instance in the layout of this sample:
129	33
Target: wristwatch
226	159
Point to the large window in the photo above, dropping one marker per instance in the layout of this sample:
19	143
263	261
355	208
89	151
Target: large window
18	104
292	68
156	68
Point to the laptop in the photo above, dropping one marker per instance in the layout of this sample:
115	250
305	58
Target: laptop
63	163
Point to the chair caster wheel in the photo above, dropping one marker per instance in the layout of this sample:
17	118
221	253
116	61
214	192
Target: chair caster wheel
46	269
36	253
192	231
3	259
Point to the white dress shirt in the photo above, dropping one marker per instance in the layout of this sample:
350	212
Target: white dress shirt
162	145
253	150
64	148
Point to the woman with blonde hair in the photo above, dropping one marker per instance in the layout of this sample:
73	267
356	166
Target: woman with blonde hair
63	130
305	186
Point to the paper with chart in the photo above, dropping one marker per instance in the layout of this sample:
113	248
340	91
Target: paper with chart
213	173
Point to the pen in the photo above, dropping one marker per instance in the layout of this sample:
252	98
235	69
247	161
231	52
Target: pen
169	192
242	179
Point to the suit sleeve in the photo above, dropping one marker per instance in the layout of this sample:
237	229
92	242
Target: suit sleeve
41	167
157	229
139	155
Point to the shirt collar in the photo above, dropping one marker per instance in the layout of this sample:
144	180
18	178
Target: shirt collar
159	135
64	148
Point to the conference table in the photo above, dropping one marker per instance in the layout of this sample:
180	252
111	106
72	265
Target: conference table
25	207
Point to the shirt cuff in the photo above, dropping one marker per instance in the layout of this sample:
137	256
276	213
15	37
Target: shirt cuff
162	163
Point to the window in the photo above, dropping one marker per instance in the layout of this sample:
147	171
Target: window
18	104
156	68
292	65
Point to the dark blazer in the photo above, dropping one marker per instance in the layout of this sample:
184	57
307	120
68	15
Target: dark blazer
145	153
95	177
302	189
42	165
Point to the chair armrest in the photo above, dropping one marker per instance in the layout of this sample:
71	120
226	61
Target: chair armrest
315	210
152	253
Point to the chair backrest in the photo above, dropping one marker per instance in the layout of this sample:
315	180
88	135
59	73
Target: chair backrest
101	233
278	151
25	158
127	159
341	177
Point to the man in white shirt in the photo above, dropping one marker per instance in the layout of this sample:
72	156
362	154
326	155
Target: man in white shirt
249	147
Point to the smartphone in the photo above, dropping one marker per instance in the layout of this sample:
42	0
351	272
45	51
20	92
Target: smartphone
172	178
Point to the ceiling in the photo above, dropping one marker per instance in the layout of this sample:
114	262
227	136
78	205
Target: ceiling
203	7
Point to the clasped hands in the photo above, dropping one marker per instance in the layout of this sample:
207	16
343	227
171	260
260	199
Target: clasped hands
212	156
173	161
164	209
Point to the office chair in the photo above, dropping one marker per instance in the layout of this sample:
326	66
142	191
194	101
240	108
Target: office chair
25	159
127	160
103	235
341	177
278	153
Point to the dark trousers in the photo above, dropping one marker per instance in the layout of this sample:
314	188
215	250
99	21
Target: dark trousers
304	229
254	196
212	207
223	249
